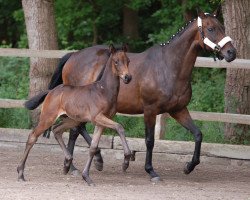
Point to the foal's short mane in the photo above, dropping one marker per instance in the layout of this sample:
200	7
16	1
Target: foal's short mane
102	71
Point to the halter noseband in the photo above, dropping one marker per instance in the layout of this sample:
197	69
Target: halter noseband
216	47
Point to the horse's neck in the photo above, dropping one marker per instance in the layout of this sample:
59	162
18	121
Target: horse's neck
109	81
185	50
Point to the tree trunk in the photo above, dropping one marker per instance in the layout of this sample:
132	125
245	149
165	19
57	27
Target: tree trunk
236	14
130	23
41	30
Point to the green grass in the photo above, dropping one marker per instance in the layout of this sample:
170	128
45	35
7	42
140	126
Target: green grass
14	84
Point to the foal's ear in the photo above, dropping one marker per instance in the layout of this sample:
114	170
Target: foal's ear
125	47
217	12
200	13
112	49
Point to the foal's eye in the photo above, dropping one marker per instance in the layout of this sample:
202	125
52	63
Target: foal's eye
210	29
116	62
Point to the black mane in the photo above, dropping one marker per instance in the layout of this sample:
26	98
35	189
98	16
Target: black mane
178	33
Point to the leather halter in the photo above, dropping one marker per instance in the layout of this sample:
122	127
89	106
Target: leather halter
216	47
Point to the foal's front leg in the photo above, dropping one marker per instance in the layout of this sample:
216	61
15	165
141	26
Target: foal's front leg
106	122
92	151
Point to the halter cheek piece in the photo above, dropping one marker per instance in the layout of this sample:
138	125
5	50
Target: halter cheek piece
216	47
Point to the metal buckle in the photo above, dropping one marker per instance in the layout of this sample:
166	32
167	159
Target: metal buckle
217	48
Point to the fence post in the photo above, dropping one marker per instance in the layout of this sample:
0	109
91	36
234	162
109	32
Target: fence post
160	126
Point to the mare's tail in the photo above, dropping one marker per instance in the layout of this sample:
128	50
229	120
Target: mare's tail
35	101
57	76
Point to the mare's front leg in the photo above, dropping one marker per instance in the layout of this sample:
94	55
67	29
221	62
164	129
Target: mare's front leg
149	120
184	118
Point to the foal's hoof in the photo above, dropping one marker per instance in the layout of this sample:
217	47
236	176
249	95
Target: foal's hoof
156	179
125	164
98	163
21	179
67	164
75	172
88	180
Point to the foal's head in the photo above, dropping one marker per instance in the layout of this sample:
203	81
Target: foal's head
212	36
120	61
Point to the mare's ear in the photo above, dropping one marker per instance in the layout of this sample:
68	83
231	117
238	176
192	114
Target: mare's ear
112	49
200	13
217	12
125	47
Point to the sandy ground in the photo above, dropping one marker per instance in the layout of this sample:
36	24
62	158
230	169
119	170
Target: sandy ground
46	181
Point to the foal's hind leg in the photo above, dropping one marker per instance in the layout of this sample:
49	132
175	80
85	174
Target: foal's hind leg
184	118
58	131
42	126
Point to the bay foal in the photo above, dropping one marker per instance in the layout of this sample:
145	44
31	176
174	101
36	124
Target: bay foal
94	103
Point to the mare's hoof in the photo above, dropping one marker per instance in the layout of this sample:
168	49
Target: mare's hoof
98	164
189	168
156	179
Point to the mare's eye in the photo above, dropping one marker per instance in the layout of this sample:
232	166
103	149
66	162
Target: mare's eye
210	29
116	62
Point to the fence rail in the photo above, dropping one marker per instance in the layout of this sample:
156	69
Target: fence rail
160	122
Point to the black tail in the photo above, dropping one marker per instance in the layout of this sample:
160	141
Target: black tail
57	76
35	101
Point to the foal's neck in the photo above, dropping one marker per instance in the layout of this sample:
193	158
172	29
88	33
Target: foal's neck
110	81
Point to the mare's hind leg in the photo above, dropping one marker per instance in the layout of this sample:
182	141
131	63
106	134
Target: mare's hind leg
184	118
42	126
74	133
58	130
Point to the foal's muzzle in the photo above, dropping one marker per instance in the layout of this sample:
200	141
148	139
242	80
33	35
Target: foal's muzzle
127	78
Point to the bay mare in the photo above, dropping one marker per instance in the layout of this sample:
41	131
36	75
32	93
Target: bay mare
94	103
161	79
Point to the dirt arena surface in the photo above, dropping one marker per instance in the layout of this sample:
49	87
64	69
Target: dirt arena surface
46	181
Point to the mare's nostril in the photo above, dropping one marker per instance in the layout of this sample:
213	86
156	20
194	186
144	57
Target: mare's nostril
231	52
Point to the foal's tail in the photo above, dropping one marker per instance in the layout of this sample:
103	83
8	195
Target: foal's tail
57	76
35	101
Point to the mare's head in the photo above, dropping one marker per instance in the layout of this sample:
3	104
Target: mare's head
212	36
120	61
